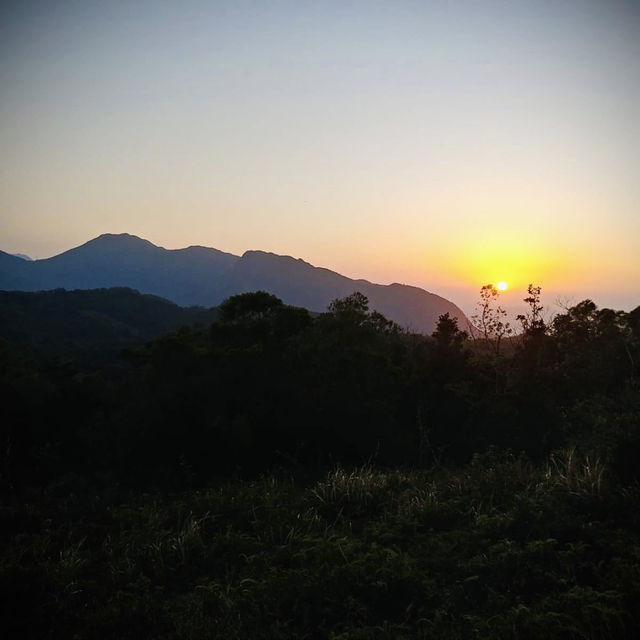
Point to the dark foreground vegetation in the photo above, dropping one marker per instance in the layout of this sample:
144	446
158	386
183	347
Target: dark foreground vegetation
278	475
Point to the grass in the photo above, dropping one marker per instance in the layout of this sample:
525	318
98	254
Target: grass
578	474
499	549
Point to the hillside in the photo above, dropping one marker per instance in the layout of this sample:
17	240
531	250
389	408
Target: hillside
90	325
205	276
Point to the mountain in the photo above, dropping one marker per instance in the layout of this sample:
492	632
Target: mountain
204	276
301	284
185	276
23	256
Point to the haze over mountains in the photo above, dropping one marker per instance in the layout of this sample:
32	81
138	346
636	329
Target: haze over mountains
205	276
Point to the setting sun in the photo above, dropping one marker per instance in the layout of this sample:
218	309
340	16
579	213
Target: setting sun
503	286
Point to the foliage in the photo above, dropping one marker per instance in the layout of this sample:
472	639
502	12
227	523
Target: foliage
490	318
90	326
270	473
498	549
533	324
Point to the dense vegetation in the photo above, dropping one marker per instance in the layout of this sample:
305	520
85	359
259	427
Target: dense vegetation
91	326
273	474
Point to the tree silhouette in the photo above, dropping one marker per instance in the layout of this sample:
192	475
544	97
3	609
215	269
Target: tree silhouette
533	324
490	318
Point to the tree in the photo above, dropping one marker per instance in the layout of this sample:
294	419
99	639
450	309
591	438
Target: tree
354	304
533	324
447	333
490	318
249	306
597	346
441	365
257	318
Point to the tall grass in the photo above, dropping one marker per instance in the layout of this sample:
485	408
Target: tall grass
582	475
501	548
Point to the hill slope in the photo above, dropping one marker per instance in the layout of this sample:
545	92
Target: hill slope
90	325
205	276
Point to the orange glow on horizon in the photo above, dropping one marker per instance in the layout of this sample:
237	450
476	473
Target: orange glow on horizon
510	259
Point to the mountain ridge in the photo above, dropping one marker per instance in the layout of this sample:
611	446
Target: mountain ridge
205	276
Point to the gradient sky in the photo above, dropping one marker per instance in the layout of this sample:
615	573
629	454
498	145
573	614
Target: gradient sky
441	144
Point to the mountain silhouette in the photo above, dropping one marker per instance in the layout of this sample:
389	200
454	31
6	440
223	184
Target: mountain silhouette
204	276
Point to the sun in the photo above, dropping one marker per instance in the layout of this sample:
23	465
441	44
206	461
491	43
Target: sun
503	286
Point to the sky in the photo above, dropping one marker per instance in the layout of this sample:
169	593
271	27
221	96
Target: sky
441	144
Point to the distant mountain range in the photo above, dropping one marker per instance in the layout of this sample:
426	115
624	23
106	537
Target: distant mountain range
205	277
